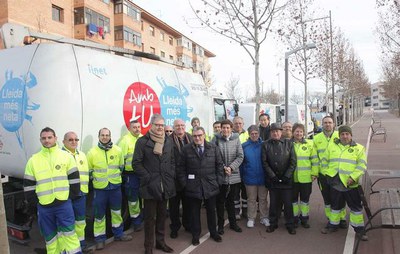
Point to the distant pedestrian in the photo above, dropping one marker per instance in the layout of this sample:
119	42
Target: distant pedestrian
264	127
287	130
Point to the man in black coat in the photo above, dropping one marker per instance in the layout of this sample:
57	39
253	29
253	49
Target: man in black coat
200	171
154	162
179	139
279	162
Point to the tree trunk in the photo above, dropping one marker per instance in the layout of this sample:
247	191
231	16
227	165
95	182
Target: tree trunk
256	62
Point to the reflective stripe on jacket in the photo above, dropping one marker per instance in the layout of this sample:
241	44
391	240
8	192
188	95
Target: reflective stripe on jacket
347	161
105	166
321	143
48	171
83	168
307	161
127	145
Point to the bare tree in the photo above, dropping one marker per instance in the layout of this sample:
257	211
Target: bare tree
296	99
317	99
232	89
389	25
391	74
245	22
270	97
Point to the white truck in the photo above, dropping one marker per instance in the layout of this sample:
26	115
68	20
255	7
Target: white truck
297	115
79	86
250	116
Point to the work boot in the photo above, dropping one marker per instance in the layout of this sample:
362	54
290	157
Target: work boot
305	224
291	230
328	230
362	236
343	224
100	245
138	227
123	238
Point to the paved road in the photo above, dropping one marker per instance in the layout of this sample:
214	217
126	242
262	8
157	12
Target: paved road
383	159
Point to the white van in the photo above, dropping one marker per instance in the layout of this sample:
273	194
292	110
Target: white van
297	115
248	112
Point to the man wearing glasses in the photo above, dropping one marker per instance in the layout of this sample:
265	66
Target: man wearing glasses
105	164
154	163
201	173
71	142
180	138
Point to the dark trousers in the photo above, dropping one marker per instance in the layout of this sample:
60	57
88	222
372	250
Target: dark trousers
241	196
174	204
325	189
302	191
155	213
225	199
195	207
277	197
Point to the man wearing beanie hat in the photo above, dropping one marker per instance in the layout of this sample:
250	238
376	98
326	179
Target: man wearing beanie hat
321	143
345	163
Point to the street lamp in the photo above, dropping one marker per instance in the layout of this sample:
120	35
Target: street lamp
287	54
332	74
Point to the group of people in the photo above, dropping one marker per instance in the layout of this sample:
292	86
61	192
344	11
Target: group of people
233	170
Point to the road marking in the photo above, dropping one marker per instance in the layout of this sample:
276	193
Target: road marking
350	237
202	240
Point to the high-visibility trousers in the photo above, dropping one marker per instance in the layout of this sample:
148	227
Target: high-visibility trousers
131	185
79	206
101	199
353	200
301	199
326	195
57	225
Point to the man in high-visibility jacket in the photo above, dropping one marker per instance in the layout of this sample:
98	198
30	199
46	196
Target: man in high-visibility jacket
52	175
131	180
105	164
305	173
345	163
71	142
322	141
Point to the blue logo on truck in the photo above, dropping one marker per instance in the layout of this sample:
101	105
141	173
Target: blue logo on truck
14	102
173	103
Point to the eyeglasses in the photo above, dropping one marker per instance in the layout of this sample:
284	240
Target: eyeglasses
168	131
197	136
159	125
72	139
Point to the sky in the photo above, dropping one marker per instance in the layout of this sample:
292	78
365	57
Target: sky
356	18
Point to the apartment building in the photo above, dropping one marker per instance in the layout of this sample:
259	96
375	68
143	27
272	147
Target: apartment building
378	101
118	23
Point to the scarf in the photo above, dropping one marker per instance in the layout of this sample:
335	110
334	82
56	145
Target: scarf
178	143
106	146
158	140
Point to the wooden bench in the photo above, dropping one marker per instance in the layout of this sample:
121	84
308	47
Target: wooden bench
376	131
377	120
389	208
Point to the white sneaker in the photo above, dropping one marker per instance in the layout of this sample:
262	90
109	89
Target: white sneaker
250	223
265	222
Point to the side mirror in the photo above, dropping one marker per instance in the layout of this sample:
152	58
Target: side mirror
282	112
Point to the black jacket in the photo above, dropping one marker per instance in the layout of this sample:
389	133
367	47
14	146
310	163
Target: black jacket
178	148
264	132
201	175
279	162
156	173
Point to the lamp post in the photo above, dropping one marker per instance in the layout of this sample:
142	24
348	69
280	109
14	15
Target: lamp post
332	74
287	54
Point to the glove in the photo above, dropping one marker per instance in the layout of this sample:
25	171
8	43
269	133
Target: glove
275	179
286	180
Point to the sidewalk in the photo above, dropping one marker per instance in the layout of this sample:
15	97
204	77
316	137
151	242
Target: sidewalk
383	160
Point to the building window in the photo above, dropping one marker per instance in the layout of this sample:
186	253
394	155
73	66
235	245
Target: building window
375	97
184	42
162	54
171	41
151	29
127	34
375	90
152	50
57	13
171	57
162	36
141	25
88	16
